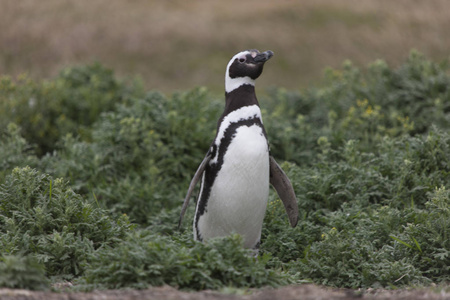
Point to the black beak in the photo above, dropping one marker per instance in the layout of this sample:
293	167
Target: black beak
263	57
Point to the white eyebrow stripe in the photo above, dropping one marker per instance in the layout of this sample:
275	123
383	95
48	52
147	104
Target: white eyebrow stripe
233	83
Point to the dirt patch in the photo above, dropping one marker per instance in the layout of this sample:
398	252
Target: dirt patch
304	292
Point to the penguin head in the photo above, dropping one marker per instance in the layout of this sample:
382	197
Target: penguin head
244	68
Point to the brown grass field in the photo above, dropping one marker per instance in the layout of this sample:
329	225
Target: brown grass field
177	45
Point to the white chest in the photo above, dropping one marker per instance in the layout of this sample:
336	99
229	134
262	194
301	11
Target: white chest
238	197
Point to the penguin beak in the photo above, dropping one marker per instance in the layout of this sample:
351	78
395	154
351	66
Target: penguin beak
263	57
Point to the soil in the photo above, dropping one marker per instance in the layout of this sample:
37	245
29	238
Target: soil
304	292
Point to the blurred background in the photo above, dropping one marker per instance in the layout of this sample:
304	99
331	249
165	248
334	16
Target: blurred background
176	45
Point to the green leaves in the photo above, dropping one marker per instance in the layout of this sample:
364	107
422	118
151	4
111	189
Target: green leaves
44	218
368	154
70	103
364	105
406	244
144	259
22	272
365	212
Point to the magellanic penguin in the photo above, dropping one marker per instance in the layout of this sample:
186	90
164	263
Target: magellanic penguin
238	167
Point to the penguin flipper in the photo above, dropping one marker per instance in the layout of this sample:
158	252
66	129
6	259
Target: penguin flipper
192	185
285	191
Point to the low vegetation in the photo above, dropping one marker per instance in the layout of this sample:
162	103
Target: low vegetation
93	172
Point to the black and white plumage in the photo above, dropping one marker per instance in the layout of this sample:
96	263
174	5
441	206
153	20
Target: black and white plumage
236	172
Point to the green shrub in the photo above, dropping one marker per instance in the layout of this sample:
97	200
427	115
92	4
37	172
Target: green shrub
359	246
22	272
368	154
145	259
427	237
380	246
45	218
141	156
355	208
15	151
70	103
363	105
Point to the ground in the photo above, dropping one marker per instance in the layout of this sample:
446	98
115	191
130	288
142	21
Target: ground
304	292
176	45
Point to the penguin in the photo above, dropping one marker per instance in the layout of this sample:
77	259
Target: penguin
238	169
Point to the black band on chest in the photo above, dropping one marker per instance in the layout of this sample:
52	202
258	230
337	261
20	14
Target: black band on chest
212	170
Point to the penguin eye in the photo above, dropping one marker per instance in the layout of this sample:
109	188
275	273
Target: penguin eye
242	60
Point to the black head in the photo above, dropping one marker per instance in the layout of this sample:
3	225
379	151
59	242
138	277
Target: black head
245	67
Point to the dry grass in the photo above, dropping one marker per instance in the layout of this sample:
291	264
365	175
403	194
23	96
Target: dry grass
178	44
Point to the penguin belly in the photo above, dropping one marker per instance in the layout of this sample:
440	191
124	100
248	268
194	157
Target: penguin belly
239	194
